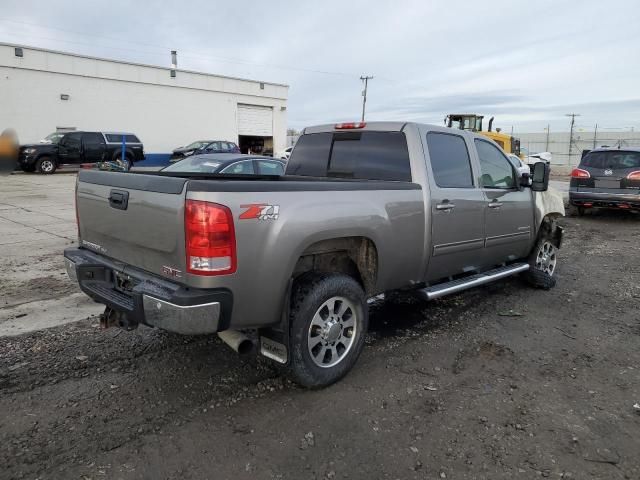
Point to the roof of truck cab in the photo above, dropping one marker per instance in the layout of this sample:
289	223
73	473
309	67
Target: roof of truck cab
369	126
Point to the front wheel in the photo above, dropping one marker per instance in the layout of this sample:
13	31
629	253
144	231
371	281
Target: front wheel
542	264
46	165
328	324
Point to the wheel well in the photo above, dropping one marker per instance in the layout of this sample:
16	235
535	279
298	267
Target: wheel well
353	256
127	155
548	227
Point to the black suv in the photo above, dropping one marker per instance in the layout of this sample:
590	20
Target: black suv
76	148
606	178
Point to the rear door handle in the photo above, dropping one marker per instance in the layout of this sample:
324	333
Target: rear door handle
495	204
119	199
445	206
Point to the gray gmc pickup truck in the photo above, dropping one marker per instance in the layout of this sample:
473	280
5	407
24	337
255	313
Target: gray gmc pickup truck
363	209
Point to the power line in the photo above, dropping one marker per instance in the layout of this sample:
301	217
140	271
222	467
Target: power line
573	121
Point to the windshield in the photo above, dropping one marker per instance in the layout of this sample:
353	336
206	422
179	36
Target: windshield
195	165
53	137
199	144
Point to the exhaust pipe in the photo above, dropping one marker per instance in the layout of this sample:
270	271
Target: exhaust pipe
490	123
238	341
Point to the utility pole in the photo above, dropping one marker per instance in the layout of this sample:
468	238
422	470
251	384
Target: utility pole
546	143
365	79
595	136
573	121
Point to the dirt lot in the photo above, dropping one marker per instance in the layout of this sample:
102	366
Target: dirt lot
499	382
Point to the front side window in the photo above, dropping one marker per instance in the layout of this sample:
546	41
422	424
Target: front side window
449	160
496	170
213	147
72	140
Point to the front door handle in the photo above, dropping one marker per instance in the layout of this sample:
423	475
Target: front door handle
445	206
495	204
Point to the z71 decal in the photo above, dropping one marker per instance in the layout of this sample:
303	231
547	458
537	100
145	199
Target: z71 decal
261	211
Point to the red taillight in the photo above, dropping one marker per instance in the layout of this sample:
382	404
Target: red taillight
634	175
210	238
350	125
580	173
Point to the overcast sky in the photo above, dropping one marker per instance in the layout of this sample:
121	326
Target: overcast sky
527	63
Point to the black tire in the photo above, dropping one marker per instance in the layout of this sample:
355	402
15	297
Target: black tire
309	297
536	276
575	211
46	165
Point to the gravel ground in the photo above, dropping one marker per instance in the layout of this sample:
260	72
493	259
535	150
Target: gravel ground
499	382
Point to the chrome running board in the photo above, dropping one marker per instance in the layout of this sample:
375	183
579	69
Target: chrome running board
455	286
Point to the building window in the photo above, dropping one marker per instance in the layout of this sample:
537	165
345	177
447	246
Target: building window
64	96
261	86
19	52
173	73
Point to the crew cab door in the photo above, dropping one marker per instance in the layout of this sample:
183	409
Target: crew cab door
508	212
70	149
93	147
457	207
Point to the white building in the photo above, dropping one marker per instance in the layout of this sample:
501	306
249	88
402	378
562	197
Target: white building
43	91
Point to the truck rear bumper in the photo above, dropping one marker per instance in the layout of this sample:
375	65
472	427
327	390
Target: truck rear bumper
147	299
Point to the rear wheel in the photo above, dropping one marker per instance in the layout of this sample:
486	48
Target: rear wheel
329	321
126	163
46	165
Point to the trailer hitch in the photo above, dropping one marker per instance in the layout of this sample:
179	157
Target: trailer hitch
114	318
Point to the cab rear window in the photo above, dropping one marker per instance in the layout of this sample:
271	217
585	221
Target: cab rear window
358	155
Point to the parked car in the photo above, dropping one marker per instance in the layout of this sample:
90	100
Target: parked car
606	178
204	146
362	209
76	148
538	157
285	154
231	163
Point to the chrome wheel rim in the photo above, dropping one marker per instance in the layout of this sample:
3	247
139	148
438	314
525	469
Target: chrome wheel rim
332	332
546	258
126	163
46	166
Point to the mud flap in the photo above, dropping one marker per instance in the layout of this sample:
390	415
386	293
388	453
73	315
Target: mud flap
274	341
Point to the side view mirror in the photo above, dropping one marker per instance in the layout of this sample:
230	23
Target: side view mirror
540	177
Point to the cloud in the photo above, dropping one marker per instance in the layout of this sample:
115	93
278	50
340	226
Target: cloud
527	63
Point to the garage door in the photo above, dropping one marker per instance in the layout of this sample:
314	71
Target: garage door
255	120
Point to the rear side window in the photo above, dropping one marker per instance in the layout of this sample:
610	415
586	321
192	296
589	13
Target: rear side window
449	160
611	159
117	138
92	138
358	155
265	167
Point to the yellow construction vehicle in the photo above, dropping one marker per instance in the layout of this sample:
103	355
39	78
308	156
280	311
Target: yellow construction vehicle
473	123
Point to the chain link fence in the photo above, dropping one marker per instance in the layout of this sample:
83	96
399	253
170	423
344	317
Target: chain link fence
558	143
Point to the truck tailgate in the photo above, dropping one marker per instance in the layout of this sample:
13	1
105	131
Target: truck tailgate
135	219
